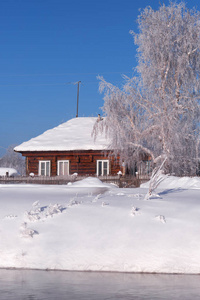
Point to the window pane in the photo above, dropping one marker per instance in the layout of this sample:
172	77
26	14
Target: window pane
47	168
65	168
105	168
60	167
42	168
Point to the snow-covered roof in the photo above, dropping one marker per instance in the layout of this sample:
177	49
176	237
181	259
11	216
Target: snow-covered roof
75	134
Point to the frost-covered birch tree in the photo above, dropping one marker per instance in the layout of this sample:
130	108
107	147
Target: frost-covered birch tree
157	112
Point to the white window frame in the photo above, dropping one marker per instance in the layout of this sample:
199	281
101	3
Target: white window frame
58	169
45	171
108	167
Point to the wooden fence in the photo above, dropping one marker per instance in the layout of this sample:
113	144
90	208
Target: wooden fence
127	181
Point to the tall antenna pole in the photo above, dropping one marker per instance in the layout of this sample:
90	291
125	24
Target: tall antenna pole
78	82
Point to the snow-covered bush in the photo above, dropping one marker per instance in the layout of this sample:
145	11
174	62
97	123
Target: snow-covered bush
27	232
134	211
160	218
53	209
41	213
104	204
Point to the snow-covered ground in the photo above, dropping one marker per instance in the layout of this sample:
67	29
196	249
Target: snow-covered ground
89	225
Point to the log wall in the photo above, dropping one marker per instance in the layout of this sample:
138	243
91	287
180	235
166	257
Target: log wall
81	162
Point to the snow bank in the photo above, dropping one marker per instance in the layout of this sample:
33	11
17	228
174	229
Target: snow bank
89	182
97	227
171	182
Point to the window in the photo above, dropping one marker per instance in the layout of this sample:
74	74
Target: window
145	167
44	167
102	167
148	167
63	167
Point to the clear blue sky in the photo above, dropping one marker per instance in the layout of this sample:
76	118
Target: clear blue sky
47	44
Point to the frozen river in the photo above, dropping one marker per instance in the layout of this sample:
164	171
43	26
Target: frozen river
41	285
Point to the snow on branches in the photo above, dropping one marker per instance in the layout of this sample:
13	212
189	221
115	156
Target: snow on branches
157	112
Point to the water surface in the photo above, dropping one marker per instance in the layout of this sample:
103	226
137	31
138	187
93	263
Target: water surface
56	285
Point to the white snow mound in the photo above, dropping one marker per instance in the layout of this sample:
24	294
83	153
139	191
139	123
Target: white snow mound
88	182
172	182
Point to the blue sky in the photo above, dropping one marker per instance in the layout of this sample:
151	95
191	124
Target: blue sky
47	45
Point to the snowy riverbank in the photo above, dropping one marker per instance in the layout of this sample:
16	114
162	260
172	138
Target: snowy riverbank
89	225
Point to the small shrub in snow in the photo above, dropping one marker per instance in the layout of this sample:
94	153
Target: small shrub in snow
32	215
35	213
41	213
27	232
138	196
54	209
96	198
160	218
104	204
73	202
36	204
10	217
23	253
134	211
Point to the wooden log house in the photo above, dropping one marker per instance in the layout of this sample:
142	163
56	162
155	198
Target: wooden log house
67	149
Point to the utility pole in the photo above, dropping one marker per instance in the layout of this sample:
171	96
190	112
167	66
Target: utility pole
78	82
